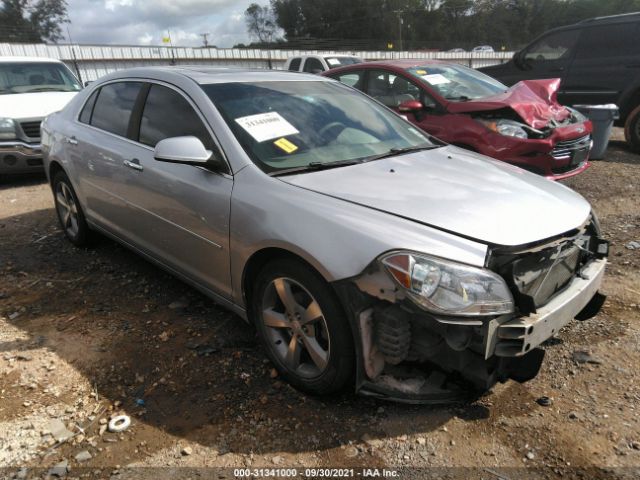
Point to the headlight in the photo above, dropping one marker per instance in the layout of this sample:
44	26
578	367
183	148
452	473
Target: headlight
578	115
508	128
7	129
449	288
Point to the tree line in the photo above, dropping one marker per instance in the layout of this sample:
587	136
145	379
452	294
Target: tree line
418	24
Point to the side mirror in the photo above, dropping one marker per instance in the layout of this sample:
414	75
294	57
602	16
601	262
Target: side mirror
88	82
316	71
409	106
188	150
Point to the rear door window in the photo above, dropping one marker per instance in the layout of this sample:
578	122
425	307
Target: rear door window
353	79
608	41
313	65
168	114
295	64
114	105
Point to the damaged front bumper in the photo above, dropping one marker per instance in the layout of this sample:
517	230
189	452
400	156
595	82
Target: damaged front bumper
407	354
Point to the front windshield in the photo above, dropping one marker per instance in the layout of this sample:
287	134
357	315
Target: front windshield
458	83
289	124
27	77
335	62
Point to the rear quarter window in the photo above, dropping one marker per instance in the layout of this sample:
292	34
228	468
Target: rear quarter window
87	110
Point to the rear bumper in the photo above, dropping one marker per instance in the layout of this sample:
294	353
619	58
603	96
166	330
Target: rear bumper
519	336
20	157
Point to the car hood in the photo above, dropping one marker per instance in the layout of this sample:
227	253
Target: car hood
457	191
533	100
33	105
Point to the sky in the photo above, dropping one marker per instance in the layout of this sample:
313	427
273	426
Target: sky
145	22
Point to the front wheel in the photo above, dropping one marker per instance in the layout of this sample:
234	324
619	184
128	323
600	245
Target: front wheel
303	327
632	129
69	211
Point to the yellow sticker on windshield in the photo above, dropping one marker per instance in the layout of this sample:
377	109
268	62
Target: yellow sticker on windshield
285	145
421	72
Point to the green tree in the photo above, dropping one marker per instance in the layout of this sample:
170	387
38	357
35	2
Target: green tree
32	20
260	23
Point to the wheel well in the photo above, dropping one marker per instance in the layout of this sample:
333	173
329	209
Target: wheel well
258	260
54	168
629	105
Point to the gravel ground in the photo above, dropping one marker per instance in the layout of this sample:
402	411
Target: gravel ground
89	334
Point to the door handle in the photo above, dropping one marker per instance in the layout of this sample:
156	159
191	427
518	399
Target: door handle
134	163
557	69
72	141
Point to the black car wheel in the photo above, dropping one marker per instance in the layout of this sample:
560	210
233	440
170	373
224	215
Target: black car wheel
632	129
69	211
303	327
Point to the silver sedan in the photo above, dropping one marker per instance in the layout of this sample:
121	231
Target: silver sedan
364	251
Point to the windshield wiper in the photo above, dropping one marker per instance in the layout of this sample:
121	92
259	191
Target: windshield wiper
314	166
400	151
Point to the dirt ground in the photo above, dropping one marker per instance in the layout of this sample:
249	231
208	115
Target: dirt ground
89	334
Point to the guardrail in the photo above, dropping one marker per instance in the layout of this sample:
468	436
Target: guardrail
94	61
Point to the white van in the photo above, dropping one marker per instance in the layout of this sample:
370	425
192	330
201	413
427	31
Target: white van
319	63
30	89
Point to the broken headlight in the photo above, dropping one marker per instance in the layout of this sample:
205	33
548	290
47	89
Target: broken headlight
449	288
508	128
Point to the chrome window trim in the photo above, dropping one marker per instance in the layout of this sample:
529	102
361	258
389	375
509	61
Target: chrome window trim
76	118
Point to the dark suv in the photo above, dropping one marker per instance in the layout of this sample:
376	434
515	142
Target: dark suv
598	61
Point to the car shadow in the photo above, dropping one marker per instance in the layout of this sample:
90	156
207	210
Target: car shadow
619	152
178	362
24	180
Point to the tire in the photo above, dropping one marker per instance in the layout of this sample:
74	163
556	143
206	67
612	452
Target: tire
69	211
632	129
308	340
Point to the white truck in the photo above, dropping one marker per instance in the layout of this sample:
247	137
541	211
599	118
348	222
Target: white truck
319	63
30	89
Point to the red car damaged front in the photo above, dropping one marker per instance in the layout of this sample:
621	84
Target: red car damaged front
549	139
523	125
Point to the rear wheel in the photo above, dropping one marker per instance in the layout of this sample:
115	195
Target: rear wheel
303	327
69	211
632	129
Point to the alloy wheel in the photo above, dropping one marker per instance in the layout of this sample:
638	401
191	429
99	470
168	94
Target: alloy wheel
67	209
296	328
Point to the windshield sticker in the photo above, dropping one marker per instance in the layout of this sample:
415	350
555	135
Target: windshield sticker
266	126
333	61
436	79
421	72
286	145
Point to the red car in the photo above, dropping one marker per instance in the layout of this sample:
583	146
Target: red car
523	125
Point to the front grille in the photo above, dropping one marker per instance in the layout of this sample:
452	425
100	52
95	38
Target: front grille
566	149
31	129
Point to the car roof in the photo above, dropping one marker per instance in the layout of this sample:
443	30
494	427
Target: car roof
622	18
208	75
401	63
28	59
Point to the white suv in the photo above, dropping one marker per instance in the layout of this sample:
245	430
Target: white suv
319	63
30	89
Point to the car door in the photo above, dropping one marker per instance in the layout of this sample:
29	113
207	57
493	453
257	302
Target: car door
98	150
607	59
548	57
313	65
179	213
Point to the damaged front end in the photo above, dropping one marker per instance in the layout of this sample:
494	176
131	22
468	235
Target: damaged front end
434	331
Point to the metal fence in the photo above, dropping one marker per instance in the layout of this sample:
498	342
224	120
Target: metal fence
93	61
